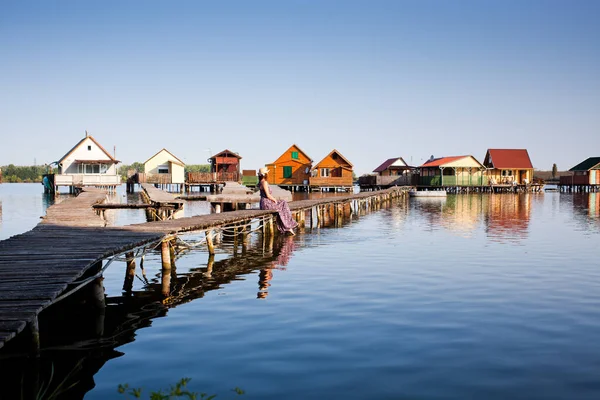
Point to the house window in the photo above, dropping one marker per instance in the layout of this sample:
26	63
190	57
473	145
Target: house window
324	172
507	172
287	172
89	148
163	169
89	168
294	155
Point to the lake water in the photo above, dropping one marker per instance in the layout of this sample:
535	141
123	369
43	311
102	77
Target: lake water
474	296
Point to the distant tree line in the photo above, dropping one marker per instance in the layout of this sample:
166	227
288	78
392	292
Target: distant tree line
15	174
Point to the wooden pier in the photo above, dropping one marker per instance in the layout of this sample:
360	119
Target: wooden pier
71	247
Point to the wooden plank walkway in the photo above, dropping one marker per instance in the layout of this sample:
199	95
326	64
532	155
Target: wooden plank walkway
37	266
160	197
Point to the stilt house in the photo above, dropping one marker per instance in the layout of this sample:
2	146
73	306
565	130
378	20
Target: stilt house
333	171
86	164
586	173
452	172
164	168
508	166
226	166
292	168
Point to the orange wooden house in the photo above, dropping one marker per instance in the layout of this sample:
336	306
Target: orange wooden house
292	168
334	171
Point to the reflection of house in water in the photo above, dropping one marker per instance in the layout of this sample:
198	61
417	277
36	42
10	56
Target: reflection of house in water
586	208
76	344
507	217
462	214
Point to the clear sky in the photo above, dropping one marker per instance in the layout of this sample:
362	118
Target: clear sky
373	79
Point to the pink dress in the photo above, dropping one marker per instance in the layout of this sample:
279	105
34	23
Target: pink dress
285	222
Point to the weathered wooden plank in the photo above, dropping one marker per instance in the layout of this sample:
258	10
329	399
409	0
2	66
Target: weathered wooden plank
12	326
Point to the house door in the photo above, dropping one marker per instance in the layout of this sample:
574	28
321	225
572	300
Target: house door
593	176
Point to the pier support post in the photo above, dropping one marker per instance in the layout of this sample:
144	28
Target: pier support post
165	253
209	242
129	272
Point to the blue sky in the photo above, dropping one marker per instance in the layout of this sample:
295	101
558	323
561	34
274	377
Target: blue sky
373	79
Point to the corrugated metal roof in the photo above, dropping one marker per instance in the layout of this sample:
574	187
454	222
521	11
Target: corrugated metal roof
590	163
507	159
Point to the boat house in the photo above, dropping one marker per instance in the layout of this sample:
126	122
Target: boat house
86	164
292	169
332	172
452	172
508	166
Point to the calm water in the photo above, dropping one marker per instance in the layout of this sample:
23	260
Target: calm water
475	296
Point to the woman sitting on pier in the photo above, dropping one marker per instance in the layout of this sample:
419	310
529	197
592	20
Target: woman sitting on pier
285	222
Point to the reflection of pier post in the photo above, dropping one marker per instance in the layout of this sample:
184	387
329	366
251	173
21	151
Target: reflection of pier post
99	302
209	266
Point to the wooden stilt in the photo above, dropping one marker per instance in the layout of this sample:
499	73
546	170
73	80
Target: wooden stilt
209	242
165	255
129	273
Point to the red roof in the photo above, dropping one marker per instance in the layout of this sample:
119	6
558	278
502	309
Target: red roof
507	158
436	162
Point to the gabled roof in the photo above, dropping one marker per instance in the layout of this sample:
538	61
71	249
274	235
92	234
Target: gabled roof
590	163
437	162
95	142
294	146
227	153
389	162
507	159
171	154
339	154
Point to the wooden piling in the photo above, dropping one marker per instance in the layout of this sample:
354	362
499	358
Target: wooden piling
209	242
129	272
165	255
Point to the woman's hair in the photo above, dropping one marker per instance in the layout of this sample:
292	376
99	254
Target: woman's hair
262	176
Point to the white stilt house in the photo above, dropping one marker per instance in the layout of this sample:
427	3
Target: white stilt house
86	164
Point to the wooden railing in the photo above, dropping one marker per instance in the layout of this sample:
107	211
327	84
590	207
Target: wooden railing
212	177
86	180
450	180
162	179
390	180
575	180
330	181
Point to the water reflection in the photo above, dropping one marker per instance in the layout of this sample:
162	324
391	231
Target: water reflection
505	216
80	334
586	208
266	274
508	217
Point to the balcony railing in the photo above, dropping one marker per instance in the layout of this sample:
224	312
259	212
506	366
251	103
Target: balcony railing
212	177
162	179
451	180
330	181
86	180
